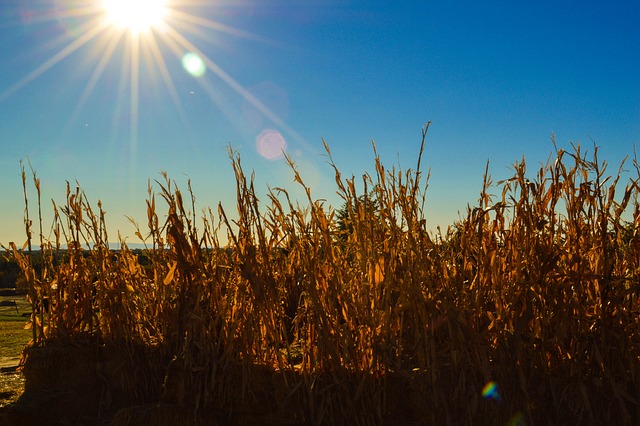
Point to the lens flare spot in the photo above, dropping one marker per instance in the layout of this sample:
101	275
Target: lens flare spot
517	420
271	144
193	64
66	19
490	391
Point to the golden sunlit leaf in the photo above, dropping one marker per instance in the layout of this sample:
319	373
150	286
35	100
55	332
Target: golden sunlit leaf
170	274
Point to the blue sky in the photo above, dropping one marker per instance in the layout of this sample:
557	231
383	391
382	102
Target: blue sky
495	78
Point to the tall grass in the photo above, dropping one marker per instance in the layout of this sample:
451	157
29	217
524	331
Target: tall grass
364	315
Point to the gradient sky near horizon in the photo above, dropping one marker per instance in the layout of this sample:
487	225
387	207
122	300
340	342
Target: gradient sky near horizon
84	100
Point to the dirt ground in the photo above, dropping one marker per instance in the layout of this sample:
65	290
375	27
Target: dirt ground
11	382
13	338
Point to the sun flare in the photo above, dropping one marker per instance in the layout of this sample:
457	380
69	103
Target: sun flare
147	38
135	15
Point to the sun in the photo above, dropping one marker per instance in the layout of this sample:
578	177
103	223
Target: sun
147	38
135	15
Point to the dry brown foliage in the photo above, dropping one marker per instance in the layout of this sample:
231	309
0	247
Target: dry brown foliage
378	321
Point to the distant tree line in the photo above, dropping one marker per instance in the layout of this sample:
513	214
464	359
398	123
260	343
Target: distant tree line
12	277
9	272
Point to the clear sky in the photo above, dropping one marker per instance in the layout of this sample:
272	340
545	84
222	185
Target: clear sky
84	99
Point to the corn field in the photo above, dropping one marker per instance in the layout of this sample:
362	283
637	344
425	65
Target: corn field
524	311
